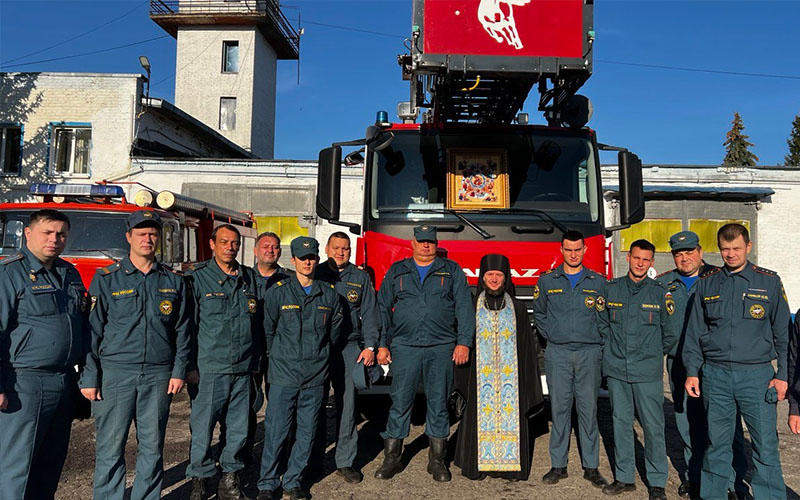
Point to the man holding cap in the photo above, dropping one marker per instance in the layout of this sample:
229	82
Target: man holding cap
140	344
302	318
428	323
689	413
358	342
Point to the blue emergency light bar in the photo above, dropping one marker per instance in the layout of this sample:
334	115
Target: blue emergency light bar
43	189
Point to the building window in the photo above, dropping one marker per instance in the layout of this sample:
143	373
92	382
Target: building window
10	149
69	149
227	113
706	230
656	231
230	57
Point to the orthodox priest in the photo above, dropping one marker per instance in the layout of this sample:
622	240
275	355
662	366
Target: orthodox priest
500	384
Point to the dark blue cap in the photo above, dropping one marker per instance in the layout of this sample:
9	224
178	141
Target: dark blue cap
685	240
144	218
425	233
304	245
365	376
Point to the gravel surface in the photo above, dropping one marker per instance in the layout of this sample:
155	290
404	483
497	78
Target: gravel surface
414	482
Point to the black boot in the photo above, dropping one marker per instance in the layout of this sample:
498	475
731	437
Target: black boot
392	448
554	475
199	489
229	487
436	466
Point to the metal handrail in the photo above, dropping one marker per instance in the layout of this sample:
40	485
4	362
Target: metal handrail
268	8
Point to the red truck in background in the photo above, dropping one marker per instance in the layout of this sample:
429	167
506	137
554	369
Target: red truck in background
98	214
473	166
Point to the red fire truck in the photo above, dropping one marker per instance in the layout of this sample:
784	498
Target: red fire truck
97	216
473	166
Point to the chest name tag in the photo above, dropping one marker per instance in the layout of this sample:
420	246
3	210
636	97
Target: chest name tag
709	299
441	273
652	307
586	290
123	293
614	304
167	290
289	307
757	296
556	290
215	295
42	288
357	285
323	308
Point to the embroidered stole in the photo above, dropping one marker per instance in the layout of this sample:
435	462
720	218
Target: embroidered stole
498	387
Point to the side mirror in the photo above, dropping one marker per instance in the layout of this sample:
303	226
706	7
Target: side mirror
631	190
378	139
329	185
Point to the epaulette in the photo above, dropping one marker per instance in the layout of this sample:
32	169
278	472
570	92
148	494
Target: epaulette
548	271
179	272
710	272
331	285
196	266
664	273
103	271
280	283
11	259
768	272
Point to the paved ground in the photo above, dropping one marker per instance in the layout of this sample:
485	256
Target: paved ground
413	482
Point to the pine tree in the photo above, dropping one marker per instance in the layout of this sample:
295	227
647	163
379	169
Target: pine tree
736	145
793	158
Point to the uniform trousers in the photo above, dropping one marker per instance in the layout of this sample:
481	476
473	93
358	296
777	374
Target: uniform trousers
646	398
726	389
219	396
573	375
690	419
288	406
138	398
34	432
434	364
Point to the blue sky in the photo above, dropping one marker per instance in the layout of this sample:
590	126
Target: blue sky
666	116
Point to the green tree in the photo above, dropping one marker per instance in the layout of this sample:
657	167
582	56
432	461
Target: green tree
793	158
737	152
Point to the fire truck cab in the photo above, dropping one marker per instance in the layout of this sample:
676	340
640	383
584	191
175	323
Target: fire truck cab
98	214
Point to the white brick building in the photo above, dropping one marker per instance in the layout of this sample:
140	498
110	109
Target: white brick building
79	127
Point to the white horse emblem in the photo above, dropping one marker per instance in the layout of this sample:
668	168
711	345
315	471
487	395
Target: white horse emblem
497	18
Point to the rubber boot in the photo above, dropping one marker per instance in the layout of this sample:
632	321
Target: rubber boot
436	466
199	489
392	449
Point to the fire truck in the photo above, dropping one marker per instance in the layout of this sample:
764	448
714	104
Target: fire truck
465	159
98	214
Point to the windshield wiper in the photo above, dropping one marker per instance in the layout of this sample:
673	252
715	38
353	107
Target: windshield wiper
533	211
459	216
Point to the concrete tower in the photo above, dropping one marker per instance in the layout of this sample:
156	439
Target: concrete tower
226	64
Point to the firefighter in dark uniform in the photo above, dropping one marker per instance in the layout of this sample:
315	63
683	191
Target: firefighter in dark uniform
227	322
738	324
793	393
690	418
428	323
358	341
139	354
43	308
636	318
267	251
564	305
302	319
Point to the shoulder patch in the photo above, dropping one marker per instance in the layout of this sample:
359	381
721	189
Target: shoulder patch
13	258
710	272
763	270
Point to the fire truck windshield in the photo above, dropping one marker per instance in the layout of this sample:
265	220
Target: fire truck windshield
91	234
551	171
